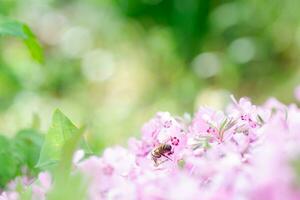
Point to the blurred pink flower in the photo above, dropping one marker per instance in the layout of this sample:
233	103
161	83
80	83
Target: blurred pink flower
42	186
297	92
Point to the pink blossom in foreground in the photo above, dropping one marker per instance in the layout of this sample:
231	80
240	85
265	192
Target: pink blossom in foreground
297	93
246	152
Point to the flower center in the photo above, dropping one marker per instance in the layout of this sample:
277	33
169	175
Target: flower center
175	141
211	130
168	124
245	117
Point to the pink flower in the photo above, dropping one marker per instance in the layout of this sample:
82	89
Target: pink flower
207	122
163	129
115	166
9	196
247	153
42	186
297	92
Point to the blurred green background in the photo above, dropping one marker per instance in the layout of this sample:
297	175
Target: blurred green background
114	64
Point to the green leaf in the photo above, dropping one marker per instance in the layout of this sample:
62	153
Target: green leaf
72	188
64	167
27	145
19	152
67	186
61	130
60	144
17	29
9	165
12	28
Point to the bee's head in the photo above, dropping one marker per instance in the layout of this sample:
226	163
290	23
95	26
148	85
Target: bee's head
168	147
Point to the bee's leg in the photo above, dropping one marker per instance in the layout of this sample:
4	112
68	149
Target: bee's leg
154	160
166	157
157	163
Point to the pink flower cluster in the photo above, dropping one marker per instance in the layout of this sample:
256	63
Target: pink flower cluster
246	152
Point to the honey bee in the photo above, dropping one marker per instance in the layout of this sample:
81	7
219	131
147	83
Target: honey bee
161	150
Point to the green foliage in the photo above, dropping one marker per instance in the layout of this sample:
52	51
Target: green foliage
61	130
61	141
9	86
19	153
17	29
27	145
72	188
67	186
28	148
8	164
